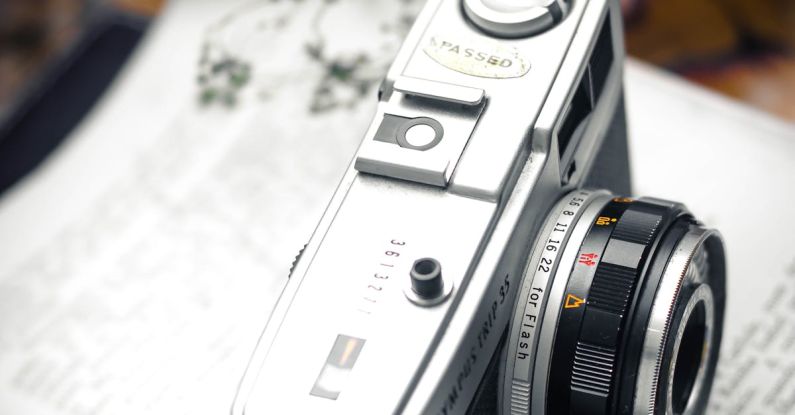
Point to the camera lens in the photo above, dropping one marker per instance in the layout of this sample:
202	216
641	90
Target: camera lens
620	311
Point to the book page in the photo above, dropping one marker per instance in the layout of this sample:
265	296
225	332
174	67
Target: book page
733	167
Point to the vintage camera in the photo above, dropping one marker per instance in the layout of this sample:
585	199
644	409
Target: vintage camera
470	263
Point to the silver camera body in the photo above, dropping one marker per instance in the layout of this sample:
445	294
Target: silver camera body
489	115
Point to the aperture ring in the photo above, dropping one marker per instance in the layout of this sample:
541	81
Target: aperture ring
533	294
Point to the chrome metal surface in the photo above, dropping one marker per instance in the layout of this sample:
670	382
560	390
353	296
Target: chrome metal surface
702	297
396	203
687	265
372	251
533	293
487	165
515	18
433	166
439	90
551	312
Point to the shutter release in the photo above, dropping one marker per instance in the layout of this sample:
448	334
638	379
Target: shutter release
515	18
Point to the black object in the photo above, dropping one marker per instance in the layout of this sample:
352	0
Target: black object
64	93
426	278
588	349
580	281
633	347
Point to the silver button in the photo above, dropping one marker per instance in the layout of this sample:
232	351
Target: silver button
515	18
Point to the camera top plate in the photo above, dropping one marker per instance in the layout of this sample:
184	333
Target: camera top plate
518	76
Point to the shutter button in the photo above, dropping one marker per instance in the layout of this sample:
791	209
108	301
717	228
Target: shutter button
515	18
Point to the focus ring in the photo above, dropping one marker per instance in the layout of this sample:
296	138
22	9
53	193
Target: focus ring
587	348
611	288
609	298
572	314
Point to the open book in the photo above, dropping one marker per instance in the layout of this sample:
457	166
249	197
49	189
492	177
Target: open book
138	265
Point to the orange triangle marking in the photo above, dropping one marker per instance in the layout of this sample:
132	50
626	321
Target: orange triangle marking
572	301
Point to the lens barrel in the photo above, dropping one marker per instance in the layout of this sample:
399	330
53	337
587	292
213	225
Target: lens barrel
620	311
